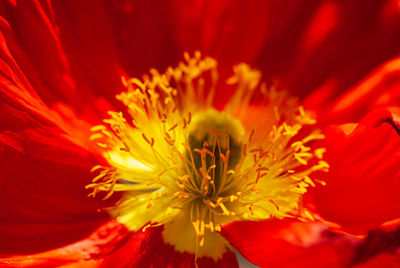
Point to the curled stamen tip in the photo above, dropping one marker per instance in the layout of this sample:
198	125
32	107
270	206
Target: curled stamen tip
97	167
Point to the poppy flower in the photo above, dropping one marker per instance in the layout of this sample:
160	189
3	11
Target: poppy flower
184	165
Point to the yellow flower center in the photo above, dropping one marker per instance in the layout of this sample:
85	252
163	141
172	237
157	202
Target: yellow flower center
184	165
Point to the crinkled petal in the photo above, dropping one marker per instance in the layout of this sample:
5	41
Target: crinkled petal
378	244
363	183
101	242
112	245
154	252
390	260
289	243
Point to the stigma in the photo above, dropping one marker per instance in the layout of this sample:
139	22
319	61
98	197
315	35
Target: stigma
191	168
216	141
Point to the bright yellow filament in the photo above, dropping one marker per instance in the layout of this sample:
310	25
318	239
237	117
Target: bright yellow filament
191	168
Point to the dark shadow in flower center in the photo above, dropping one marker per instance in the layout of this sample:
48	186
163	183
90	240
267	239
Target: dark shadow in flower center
216	141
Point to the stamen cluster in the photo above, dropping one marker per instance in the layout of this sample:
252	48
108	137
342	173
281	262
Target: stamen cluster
182	163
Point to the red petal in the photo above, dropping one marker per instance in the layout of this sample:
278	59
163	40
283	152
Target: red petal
48	59
101	242
112	245
389	260
360	38
231	31
155	253
45	165
90	44
377	242
289	243
378	89
142	30
363	183
44	203
33	41
328	42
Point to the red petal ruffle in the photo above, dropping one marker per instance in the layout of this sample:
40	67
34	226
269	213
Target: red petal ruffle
153	252
378	246
388	260
101	242
363	183
289	243
112	245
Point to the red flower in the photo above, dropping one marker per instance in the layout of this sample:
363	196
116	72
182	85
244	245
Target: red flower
194	162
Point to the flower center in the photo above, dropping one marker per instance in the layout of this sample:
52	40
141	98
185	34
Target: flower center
216	141
190	168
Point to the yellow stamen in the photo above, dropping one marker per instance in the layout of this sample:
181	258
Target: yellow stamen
189	167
